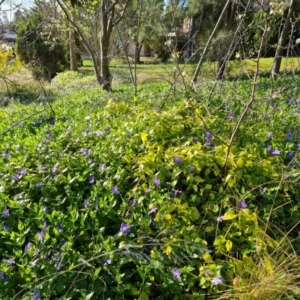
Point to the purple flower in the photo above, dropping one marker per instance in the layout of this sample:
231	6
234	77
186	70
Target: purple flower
41	234
115	190
100	133
22	172
42	168
5	213
3	276
156	181
84	152
132	202
125	228
59	227
152	224
36	295
46	142
219	219
108	261
298	136
192	169
5	227
207	272
14	177
174	193
293	165
290	155
243	204
39	185
207	135
217	280
177	160
102	167
196	140
28	246
230	117
152	210
176	273
9	261
54	169
92	179
289	137
269	149
269	135
45	209
276	152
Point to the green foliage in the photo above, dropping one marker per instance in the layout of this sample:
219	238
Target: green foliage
45	59
117	199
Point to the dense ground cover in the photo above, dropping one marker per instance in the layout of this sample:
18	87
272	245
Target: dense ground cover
122	197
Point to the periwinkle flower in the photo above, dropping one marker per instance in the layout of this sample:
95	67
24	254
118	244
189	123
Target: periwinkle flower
290	155
196	140
289	137
42	168
125	228
230	117
45	209
293	165
41	234
100	133
28	246
152	211
276	152
22	172
269	149
84	152
217	280
39	185
46	142
269	135
156	181
132	202
36	295
5	213
9	261
243	204
102	167
174	193
207	272
176	273
92	179
152	224
3	276
115	191
220	219
5	227
108	261
15	177
192	169
54	169
177	160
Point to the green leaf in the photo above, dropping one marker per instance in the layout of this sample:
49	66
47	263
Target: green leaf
229	215
143	296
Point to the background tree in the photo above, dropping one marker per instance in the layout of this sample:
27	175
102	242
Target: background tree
38	42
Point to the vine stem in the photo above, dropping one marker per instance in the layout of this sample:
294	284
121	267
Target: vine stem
252	99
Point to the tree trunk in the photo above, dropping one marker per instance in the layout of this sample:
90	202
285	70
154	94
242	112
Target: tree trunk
283	37
191	36
72	49
221	67
137	53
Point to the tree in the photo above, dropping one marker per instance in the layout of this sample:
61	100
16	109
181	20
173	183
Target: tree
108	14
283	37
35	46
